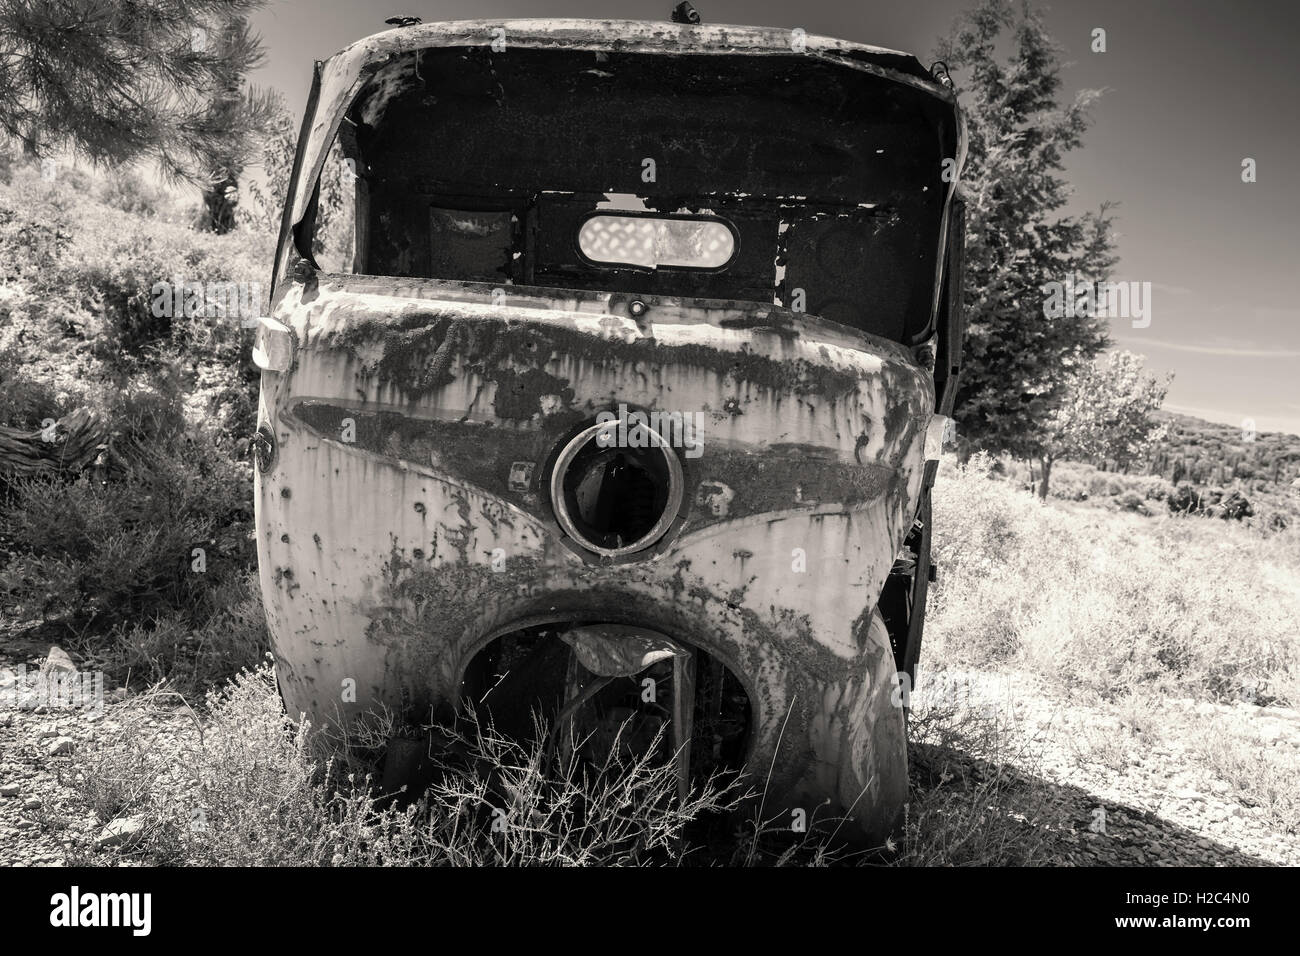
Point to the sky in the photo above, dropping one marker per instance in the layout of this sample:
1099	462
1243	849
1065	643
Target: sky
1192	88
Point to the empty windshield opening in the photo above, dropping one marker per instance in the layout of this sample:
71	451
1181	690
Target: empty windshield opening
770	180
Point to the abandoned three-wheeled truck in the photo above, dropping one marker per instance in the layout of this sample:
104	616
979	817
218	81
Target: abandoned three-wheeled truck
612	401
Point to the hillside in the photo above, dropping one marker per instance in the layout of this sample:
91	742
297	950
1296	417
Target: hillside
1211	453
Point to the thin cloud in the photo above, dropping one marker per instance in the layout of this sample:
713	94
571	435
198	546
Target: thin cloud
1225	350
1264	422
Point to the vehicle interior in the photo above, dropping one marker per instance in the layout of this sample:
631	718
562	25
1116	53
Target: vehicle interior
772	179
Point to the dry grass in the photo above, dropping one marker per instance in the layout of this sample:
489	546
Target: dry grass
244	786
1257	774
1108	601
250	788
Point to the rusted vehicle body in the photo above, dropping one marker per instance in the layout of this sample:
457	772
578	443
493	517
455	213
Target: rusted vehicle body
617	404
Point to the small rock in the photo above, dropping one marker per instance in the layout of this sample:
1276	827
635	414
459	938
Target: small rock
122	832
62	745
32	803
57	661
10	789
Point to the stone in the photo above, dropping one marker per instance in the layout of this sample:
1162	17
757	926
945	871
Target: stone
62	745
121	833
57	661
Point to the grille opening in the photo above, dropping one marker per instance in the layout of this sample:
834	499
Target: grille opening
534	671
615	500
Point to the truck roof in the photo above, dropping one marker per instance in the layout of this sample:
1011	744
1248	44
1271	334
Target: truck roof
637	36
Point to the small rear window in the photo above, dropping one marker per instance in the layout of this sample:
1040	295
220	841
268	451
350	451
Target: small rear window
657	242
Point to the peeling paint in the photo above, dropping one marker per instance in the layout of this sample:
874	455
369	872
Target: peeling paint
430	532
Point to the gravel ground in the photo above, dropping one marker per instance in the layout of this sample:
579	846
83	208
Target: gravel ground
1146	786
1109	785
41	821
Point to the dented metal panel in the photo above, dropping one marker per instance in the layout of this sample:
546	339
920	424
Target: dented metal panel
407	518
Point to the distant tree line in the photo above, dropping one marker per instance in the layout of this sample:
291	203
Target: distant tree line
1208	453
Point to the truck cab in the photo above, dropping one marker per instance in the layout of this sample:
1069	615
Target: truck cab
616	363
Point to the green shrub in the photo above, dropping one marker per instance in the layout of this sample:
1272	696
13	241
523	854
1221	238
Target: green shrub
25	401
125	550
1132	501
127	190
172	649
113	554
86	275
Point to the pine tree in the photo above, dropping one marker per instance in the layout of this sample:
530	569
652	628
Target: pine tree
235	106
1017	361
123	81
